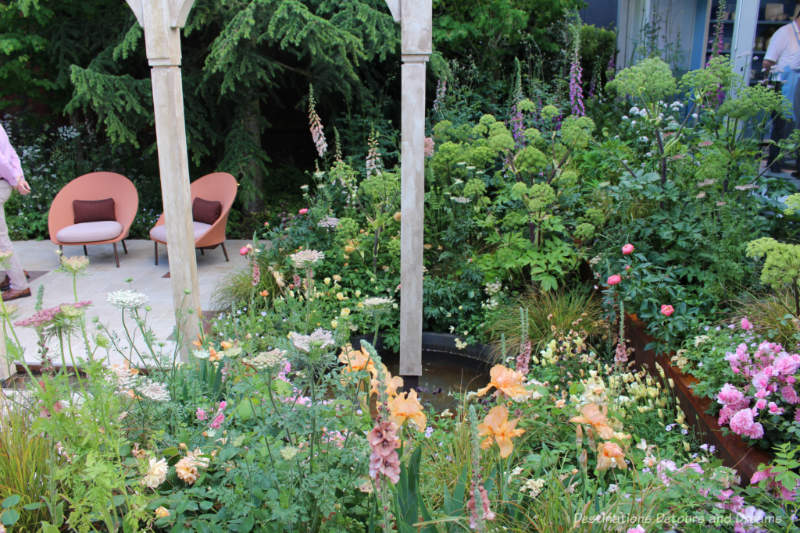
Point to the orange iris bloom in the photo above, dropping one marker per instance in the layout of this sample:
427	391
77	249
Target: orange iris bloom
592	415
507	381
496	426
356	360
406	406
392	383
610	455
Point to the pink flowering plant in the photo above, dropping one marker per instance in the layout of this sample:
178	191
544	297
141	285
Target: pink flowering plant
752	381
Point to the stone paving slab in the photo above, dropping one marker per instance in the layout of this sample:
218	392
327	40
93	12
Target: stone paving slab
102	277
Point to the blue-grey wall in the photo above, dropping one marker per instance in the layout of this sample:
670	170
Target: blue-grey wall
600	13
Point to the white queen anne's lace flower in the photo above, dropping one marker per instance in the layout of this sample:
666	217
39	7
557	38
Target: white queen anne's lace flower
305	258
328	222
266	359
460	199
320	338
377	301
154	390
127	299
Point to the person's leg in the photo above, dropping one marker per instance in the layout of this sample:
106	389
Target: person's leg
15	272
781	127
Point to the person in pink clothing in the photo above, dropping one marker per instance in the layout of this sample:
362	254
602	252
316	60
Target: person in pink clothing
15	284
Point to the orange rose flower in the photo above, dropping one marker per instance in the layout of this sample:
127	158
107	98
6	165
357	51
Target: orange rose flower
406	406
610	455
593	416
497	427
507	381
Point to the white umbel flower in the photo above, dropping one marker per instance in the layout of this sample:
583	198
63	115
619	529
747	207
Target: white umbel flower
320	338
376	301
127	299
305	258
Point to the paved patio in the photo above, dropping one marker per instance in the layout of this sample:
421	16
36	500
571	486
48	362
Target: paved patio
103	277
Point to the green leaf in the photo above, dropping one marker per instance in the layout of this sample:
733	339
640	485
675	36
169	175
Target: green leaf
9	517
11	501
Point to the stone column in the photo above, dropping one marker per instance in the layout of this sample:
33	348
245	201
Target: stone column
416	21
162	21
412	225
173	163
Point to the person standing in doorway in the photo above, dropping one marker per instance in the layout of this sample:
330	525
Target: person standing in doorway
782	63
15	284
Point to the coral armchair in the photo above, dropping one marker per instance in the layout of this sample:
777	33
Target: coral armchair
217	187
96	208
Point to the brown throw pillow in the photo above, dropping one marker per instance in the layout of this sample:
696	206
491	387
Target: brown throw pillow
93	210
206	211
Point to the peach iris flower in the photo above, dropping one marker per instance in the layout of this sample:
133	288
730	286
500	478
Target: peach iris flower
610	455
496	426
592	415
356	360
392	383
507	381
406	406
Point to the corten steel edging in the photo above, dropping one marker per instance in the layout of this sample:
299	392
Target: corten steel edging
735	453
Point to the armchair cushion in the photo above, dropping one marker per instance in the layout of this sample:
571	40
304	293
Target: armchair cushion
159	233
206	211
87	232
93	210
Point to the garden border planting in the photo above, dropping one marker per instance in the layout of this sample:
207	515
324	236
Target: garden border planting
733	450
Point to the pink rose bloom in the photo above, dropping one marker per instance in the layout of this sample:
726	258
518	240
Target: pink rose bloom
761	379
613	279
627	249
637	529
303	211
222	405
789	395
244	250
729	394
774	409
746	325
667	310
760	404
742	424
201	414
787	364
762	393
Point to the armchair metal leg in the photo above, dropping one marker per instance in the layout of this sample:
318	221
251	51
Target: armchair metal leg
224	251
124	247
116	255
85	251
155	244
202	251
